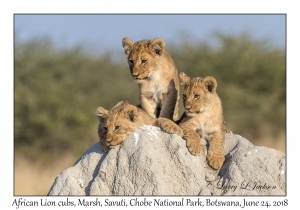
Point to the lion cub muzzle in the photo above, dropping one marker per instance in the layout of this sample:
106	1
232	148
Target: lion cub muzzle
190	110
139	78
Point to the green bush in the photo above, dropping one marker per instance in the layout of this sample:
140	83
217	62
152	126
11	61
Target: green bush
58	90
251	78
57	93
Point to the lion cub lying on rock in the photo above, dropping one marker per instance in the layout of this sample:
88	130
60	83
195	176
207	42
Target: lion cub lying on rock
203	118
123	119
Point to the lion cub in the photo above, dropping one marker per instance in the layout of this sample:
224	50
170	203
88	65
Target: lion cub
152	67
123	119
203	118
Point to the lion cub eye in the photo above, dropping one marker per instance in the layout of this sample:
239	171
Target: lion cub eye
184	96
196	96
104	128
144	61
131	61
117	128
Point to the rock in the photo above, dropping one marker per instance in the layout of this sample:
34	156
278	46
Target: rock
152	162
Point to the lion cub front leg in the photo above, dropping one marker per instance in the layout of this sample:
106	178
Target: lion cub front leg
148	105
193	141
215	156
169	126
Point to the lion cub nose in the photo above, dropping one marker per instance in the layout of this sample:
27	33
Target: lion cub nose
108	138
188	107
136	75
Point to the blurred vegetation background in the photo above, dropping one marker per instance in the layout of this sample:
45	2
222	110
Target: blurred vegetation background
57	92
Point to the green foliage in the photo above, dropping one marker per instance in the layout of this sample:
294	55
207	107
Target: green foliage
251	78
58	90
57	93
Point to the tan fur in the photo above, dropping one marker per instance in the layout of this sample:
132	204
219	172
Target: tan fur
101	113
123	119
203	118
156	74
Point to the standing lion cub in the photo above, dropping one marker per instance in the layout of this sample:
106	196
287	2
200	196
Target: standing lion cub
152	67
124	118
203	118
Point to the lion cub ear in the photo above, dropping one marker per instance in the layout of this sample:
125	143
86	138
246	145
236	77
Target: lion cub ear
127	45
119	104
157	45
210	84
101	113
184	78
131	113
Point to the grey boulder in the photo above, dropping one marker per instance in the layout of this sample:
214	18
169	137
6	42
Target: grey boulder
152	162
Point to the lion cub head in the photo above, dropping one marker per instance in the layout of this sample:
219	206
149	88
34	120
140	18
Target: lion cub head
199	93
117	123
143	57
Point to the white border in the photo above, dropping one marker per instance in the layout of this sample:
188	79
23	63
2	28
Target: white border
8	8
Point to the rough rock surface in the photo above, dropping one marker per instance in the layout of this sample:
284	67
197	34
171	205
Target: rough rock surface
152	162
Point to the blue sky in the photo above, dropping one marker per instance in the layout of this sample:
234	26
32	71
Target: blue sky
103	31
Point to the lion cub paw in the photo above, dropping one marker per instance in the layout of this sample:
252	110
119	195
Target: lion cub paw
194	147
215	160
103	146
228	131
169	126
